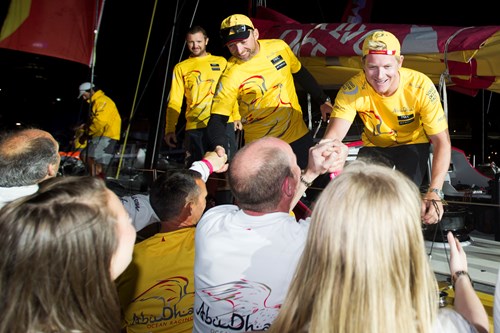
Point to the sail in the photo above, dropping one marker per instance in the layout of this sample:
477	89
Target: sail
466	58
62	29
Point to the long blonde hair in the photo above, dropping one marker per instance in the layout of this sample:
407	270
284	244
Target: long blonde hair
364	267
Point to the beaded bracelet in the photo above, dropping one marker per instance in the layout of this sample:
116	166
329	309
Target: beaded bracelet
457	274
305	182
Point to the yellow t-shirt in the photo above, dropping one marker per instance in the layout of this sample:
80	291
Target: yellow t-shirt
195	79
265	91
157	289
407	117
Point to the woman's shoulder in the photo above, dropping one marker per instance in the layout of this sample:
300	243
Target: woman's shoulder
449	320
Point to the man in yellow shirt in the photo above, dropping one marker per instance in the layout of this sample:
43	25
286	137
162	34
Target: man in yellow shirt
102	130
260	78
195	79
401	111
157	289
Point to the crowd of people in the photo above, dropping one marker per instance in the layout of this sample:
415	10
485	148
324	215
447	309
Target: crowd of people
357	264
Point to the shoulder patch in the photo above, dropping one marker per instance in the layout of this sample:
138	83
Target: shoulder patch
349	88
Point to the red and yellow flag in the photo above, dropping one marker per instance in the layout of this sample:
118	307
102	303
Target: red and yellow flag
62	28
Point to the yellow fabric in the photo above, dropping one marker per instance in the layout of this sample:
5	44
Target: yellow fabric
392	43
407	117
265	91
78	133
157	289
18	13
105	118
236	19
195	79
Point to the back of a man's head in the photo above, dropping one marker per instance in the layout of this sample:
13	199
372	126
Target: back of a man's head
26	156
257	172
170	191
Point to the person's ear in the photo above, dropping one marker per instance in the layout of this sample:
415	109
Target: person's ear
52	171
401	61
289	186
256	34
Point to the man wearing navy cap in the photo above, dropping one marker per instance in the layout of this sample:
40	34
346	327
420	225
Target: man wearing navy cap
260	77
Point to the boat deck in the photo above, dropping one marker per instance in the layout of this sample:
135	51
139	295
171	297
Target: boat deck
483	256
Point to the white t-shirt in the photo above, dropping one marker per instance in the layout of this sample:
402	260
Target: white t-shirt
449	320
140	211
8	194
243	267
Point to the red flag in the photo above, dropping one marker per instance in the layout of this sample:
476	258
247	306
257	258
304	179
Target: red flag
62	28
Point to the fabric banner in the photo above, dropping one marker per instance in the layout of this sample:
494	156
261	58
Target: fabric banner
466	56
56	28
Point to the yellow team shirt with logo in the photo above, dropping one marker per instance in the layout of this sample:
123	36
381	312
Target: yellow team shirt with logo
157	289
265	92
195	79
409	116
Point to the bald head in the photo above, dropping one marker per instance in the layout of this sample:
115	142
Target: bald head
257	173
27	157
14	143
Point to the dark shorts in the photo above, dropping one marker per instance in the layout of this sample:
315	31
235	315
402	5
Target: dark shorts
412	160
101	149
301	149
195	144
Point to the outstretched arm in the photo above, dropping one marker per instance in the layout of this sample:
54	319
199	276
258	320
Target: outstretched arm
327	156
210	163
467	303
216	130
440	165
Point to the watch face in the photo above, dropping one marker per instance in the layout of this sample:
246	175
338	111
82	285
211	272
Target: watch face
438	192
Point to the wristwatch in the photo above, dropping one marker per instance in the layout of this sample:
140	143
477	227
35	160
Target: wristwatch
438	191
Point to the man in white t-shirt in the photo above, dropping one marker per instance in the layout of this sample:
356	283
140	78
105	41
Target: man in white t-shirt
246	254
139	207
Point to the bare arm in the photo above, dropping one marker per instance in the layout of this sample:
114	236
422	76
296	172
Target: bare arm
467	303
327	156
337	129
440	165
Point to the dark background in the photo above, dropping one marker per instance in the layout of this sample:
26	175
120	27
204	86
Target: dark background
139	43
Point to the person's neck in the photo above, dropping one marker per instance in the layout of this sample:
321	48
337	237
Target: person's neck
201	55
169	226
257	49
256	213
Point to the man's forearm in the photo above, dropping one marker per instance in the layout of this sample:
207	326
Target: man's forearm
216	131
440	161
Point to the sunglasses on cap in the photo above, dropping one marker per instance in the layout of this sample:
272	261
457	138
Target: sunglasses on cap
237	29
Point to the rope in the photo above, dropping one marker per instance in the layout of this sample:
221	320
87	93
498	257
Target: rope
127	132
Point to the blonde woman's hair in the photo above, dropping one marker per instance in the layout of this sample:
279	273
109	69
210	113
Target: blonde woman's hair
364	267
